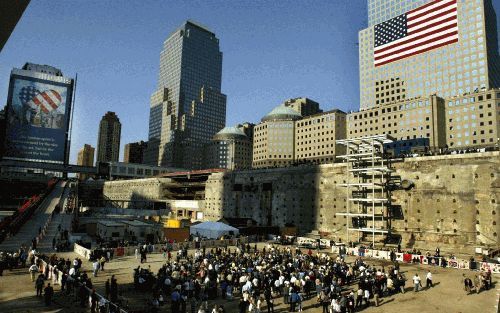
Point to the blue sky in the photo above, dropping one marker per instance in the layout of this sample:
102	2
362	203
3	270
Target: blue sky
272	51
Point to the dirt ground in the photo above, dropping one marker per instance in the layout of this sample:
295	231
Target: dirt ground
17	293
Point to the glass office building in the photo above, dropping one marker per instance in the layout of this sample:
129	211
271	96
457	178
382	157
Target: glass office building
188	108
471	64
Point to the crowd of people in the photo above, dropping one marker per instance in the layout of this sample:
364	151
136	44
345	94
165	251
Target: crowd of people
259	277
74	281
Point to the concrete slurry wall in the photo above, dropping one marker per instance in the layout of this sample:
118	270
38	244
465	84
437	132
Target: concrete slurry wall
454	201
149	189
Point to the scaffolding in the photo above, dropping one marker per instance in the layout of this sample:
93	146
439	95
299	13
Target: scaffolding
368	174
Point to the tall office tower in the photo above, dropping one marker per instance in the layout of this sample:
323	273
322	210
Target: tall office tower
85	158
423	47
108	144
188	108
134	152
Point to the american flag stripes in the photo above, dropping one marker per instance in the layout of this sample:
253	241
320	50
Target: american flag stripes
46	101
425	28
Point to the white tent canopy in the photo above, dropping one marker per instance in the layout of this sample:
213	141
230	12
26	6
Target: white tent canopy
213	230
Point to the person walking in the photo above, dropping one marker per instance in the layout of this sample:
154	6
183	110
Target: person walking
33	270
416	282
428	279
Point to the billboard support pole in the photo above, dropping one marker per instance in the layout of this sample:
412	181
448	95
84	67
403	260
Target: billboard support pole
70	130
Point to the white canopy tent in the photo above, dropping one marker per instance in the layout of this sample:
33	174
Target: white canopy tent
213	230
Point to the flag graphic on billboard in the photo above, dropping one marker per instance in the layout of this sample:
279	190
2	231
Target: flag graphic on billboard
42	108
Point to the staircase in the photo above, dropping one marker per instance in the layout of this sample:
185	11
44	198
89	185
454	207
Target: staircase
38	221
63	219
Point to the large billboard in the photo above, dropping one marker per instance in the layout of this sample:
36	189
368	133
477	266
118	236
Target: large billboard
38	116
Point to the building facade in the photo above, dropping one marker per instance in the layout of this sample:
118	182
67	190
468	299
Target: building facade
231	149
467	121
108	144
188	108
274	138
315	137
134	152
410	119
469	64
440	210
303	105
85	158
473	121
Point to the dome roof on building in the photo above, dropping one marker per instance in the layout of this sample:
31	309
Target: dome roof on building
230	132
281	112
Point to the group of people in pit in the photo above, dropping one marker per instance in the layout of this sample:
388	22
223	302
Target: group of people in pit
262	277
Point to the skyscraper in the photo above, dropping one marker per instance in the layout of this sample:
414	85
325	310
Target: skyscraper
134	152
108	144
422	47
188	108
85	158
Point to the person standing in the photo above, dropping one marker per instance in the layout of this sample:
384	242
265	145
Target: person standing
107	288
367	297
416	282
428	283
93	301
114	289
243	305
359	298
48	293
324	300
39	285
102	260
176	301
294	299
376	294
269	300
95	267
33	270
286	292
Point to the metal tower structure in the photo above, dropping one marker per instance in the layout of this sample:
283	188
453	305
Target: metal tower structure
368	174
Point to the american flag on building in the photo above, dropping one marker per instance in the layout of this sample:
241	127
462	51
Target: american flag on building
425	28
